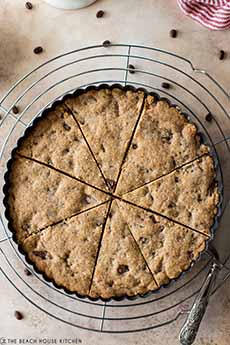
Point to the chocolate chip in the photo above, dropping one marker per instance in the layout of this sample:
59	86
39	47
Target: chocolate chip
222	54
173	162
26	226
161	228
110	283
99	222
153	219
211	188
110	214
159	267
18	315
28	5
100	14
41	254
122	269
134	146
27	272
209	117
110	183
176	179
131	69
86	199
166	136
171	205
65	151
190	254
143	240
173	33
15	109
38	50
199	198
49	161
165	85
106	43
66	127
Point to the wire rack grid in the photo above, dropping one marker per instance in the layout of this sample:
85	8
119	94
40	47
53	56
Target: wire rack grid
196	92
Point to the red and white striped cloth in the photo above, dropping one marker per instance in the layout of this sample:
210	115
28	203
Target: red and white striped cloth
214	14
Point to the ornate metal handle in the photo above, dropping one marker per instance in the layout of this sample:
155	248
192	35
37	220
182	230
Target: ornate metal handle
191	326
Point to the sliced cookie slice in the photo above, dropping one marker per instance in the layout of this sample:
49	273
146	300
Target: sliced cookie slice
38	196
168	248
66	252
188	195
121	269
56	140
107	118
164	140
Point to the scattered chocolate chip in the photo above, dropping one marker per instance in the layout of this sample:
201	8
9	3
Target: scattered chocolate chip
222	54
131	69
134	146
110	183
199	198
100	14
208	117
66	127
171	205
165	85
18	315
176	179
27	272
106	43
173	33
15	109
122	269
28	5
41	254
38	50
110	214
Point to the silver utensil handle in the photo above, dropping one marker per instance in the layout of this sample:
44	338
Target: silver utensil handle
191	326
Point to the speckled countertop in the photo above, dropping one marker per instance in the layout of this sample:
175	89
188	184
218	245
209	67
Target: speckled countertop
126	21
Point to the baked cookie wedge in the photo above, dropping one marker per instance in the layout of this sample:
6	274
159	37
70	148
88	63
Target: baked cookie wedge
107	118
167	247
188	195
56	140
121	269
164	140
38	196
66	252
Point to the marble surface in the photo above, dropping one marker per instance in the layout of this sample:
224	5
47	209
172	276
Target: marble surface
144	22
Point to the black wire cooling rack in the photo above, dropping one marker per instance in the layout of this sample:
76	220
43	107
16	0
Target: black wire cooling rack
197	93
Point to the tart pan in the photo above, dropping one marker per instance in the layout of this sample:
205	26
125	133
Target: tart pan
78	92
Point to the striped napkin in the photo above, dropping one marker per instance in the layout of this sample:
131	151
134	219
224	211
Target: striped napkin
214	14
